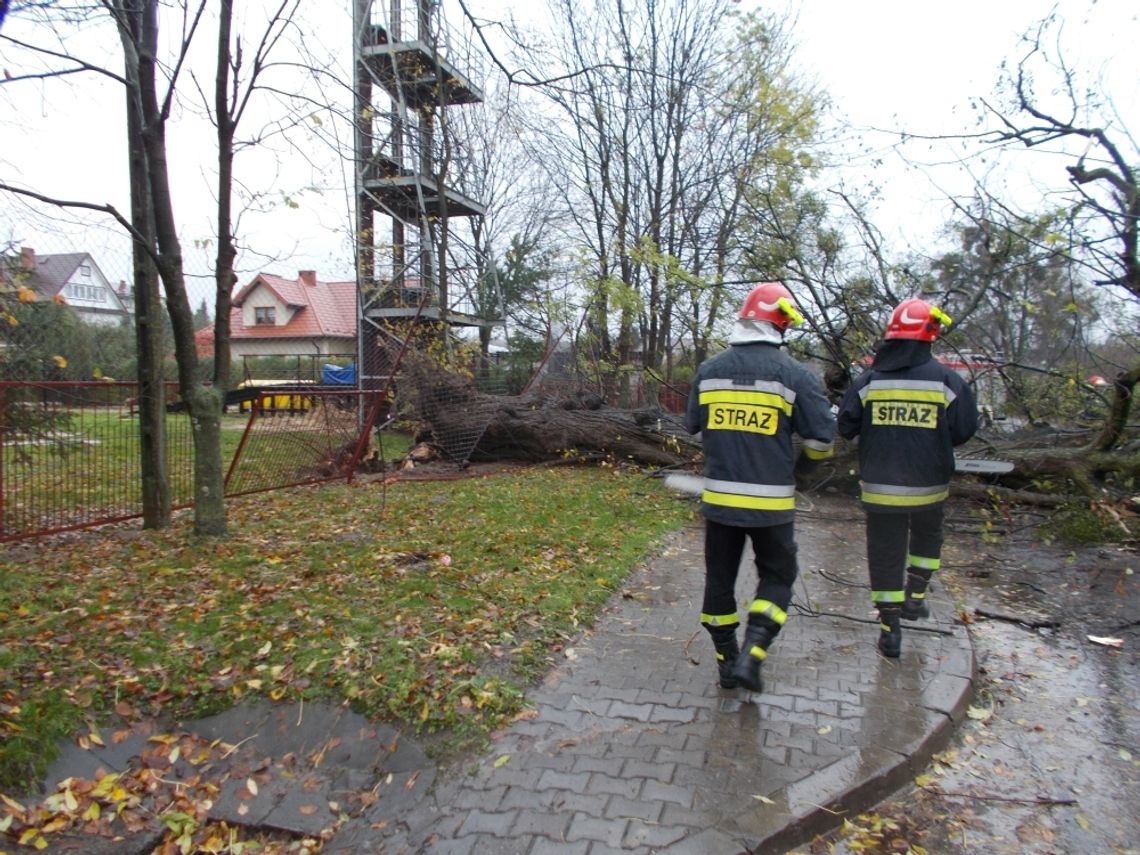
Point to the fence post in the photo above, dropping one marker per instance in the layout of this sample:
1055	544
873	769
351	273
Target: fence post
366	431
254	409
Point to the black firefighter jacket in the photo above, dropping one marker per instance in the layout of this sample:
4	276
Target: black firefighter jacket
908	422
747	401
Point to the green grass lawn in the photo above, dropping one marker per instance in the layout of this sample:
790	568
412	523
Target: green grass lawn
427	604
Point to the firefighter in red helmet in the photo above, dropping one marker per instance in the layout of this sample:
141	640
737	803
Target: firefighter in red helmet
908	411
747	402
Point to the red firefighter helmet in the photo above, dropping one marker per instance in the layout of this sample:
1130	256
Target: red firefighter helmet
916	319
772	302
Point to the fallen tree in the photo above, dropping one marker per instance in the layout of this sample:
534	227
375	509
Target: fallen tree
468	425
1051	466
538	429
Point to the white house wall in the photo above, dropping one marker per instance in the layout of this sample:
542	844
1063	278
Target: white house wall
293	347
91	295
263	298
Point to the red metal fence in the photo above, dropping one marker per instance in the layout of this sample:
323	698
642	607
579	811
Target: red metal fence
69	451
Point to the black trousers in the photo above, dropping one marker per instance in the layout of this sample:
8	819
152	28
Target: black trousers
776	570
895	541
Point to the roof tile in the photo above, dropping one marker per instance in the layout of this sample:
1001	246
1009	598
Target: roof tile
321	310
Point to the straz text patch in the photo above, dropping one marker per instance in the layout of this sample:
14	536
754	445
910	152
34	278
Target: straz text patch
746	417
904	414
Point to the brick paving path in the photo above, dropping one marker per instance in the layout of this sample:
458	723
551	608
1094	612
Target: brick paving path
633	747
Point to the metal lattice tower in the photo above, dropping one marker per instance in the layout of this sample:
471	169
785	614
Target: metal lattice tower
417	253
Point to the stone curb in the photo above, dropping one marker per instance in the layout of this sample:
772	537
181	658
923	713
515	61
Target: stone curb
852	790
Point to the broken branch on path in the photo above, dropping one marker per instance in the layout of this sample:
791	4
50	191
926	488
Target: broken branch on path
1028	623
990	797
935	630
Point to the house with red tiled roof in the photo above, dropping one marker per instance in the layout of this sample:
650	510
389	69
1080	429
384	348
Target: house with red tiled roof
275	316
73	276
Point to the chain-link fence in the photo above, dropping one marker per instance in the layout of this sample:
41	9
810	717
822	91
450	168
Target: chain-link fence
298	438
453	397
70	456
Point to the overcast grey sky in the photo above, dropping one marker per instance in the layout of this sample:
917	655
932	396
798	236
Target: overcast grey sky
916	66
887	64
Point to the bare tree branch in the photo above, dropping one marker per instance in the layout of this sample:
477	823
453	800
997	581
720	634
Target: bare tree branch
108	209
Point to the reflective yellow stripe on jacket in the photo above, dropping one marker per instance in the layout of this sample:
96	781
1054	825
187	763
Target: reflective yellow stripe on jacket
765	392
749	409
816	450
756	497
925	391
904	497
906	403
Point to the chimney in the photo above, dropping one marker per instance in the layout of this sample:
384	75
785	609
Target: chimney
28	258
308	277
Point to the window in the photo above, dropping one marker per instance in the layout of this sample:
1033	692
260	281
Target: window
263	315
85	271
85	293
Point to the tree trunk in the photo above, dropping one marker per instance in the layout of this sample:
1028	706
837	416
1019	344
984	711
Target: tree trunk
224	276
209	474
148	325
203	400
536	429
531	430
1117	419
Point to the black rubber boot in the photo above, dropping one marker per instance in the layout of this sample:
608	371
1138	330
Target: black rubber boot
724	642
725	660
915	607
752	656
890	631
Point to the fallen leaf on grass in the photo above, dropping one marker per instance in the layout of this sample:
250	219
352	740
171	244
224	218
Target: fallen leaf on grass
32	837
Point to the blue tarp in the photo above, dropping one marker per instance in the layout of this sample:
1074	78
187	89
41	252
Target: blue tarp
335	375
